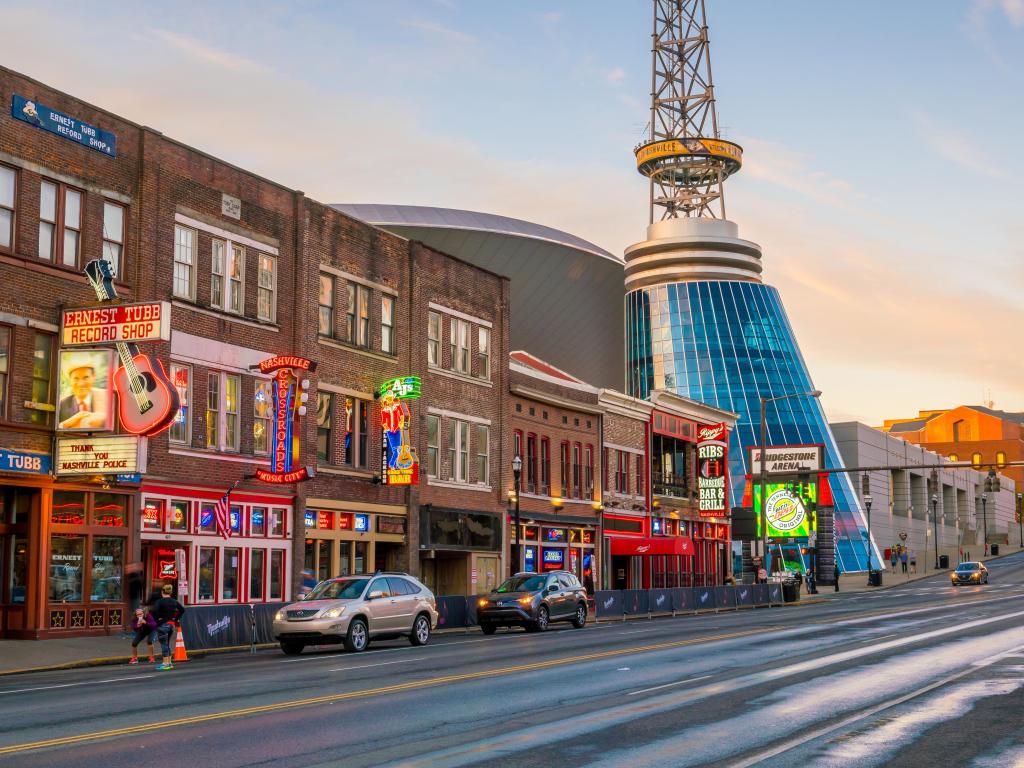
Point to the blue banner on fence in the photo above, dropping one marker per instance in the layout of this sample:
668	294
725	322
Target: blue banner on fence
263	617
609	603
451	612
760	594
703	597
682	598
634	601
725	597
660	601
62	125
744	594
216	626
774	593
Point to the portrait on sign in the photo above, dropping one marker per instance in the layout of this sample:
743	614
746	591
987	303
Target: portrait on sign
84	400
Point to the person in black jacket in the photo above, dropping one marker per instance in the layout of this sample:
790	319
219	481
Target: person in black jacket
166	611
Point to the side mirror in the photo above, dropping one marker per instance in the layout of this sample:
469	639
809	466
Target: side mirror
553	588
375	595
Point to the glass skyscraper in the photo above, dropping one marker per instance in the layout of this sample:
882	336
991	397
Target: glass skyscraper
728	343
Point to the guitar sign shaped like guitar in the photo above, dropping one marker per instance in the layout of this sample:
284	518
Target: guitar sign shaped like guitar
147	402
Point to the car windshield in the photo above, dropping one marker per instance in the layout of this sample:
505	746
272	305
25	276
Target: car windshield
339	589
523	584
968	567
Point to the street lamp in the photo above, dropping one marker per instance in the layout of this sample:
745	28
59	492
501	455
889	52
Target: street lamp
865	494
991	486
517	470
935	527
763	475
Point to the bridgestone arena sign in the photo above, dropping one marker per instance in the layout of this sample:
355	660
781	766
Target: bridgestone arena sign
787	459
712	470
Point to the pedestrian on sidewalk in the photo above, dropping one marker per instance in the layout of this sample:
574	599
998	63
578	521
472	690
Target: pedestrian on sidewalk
166	611
144	626
892	559
812	588
836	572
913	561
903	560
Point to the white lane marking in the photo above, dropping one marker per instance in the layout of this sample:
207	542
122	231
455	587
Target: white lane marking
639	631
881	637
381	664
668	685
71	685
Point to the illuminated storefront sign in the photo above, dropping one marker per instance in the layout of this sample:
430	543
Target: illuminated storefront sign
24	461
554	534
147	321
530	559
712	470
786	509
787	459
107	455
289	397
553	559
362	523
400	464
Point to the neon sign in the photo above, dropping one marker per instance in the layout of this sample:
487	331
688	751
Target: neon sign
712	455
289	400
400	465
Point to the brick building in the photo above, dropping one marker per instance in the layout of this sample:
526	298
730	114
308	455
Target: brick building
238	260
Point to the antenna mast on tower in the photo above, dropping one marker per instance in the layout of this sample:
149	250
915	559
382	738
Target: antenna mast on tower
684	158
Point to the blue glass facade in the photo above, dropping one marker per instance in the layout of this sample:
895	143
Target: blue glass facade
728	343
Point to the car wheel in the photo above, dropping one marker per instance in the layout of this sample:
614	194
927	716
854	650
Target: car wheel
488	629
580	619
358	636
542	620
420	631
292	648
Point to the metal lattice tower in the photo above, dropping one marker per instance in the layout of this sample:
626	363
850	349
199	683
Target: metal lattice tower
683	157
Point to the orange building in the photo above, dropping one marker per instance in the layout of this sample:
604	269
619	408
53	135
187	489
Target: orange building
972	433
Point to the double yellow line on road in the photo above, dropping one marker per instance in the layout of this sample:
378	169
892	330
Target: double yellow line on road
335	697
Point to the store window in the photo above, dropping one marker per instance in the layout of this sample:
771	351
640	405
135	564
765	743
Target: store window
266	288
235	520
324	402
434	338
110	510
361	565
177	520
433	427
207	518
67	575
184	262
256	573
325	325
229	585
181	427
207	570
42	374
387	324
213	410
107	568
232	423
323	556
258	521
18	578
113	235
8	196
68	508
262	406
152	515
276	574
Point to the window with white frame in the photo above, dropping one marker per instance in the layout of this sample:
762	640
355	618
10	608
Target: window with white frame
8	195
483	353
483	453
223	425
434	338
232	422
387	324
350	313
326	302
217	250
262	408
363	302
181	428
236	280
460	345
213	410
266	286
458	450
113	235
60	222
184	262
433	446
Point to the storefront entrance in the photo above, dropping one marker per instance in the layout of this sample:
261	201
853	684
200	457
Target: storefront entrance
164	563
16	505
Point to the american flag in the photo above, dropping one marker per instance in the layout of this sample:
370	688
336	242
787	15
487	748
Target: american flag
223	513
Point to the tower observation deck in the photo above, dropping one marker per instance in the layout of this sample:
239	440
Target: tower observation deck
700	321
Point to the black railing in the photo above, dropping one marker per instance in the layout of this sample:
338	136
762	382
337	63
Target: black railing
671	485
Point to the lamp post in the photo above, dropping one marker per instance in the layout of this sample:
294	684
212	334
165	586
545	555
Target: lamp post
935	527
991	486
865	487
517	470
762	479
1020	519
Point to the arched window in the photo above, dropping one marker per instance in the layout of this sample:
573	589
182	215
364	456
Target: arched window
1000	458
976	459
954	457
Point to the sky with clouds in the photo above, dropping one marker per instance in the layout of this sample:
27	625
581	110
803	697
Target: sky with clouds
882	142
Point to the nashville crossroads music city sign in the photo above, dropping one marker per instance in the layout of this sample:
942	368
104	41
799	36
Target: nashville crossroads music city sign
289	398
712	470
145	321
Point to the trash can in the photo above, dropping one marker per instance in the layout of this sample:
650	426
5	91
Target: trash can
790	592
943	561
995	549
874	578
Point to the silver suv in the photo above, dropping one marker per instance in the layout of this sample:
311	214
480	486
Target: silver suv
354	609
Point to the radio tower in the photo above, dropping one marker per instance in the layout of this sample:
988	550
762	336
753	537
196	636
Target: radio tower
700	321
684	157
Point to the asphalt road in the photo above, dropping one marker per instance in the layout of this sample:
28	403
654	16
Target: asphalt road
921	675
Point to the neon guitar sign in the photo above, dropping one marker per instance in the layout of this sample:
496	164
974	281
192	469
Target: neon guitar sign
400	464
147	402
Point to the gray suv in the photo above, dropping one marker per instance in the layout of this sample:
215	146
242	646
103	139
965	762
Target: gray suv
533	601
353	609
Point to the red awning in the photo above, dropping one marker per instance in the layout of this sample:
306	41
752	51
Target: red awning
652	545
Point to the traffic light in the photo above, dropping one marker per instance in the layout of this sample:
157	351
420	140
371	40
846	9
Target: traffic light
992	482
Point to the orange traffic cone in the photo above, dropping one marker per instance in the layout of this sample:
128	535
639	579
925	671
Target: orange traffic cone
179	646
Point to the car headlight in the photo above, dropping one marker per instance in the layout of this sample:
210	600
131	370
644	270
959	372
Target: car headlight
280	615
525	600
333	613
483	602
